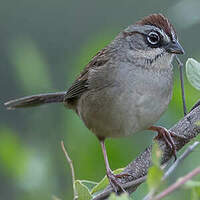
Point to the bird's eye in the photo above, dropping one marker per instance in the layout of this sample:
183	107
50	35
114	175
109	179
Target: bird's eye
153	38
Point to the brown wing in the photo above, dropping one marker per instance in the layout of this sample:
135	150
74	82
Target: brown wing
81	83
77	89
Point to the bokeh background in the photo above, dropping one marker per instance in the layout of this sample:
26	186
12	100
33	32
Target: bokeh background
44	44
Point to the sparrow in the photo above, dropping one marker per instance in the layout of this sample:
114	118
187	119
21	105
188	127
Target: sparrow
125	88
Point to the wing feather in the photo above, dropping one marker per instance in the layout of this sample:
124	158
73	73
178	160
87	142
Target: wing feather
81	83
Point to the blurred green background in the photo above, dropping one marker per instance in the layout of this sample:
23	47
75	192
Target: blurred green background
44	46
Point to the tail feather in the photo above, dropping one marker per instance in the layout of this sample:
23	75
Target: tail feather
35	100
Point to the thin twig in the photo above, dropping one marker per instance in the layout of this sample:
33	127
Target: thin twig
182	84
173	167
177	184
180	159
72	169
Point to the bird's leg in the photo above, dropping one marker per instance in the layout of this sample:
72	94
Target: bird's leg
167	135
111	177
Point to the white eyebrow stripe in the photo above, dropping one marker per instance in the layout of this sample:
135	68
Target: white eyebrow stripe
173	36
165	36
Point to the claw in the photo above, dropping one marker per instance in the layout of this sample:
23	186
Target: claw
167	135
113	179
122	175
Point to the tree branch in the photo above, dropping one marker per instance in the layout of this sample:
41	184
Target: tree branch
177	184
172	168
180	159
186	129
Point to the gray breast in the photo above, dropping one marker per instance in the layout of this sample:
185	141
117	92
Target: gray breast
127	101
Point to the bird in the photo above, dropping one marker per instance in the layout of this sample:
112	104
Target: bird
126	86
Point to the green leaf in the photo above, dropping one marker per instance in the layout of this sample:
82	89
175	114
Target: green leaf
193	72
195	189
191	184
156	154
82	191
101	185
195	195
113	196
154	177
89	184
104	182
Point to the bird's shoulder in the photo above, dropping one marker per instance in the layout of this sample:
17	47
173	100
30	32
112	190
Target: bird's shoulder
80	85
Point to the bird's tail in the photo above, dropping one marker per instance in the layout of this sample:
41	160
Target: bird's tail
35	100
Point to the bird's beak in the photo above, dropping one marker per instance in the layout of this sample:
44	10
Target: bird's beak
175	48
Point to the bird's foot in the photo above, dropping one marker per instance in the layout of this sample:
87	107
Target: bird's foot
167	136
114	182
